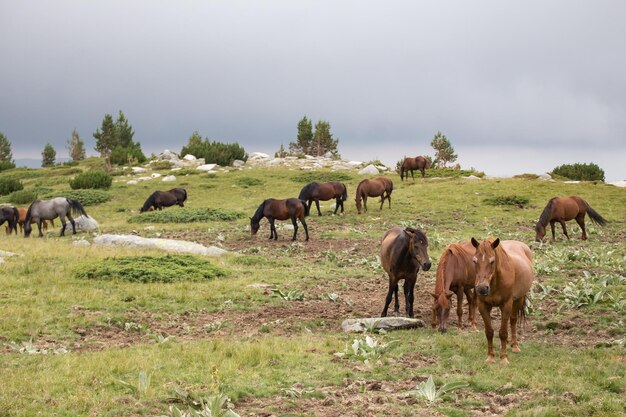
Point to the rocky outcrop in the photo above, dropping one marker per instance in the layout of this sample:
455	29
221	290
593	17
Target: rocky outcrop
308	162
369	170
168	245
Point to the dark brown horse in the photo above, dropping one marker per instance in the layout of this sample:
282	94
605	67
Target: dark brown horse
160	199
376	187
504	275
326	191
291	208
411	164
402	253
455	275
10	215
565	209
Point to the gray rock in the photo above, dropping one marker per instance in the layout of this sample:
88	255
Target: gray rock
206	167
369	170
138	170
355	164
545	177
168	155
258	155
386	323
155	175
168	245
189	157
382	168
238	163
169	178
132	182
471	177
83	224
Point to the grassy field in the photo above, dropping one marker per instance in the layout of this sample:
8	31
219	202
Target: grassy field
85	331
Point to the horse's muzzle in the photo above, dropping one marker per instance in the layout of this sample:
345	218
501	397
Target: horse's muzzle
482	290
426	266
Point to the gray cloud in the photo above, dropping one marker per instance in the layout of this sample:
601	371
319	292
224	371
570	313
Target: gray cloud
543	79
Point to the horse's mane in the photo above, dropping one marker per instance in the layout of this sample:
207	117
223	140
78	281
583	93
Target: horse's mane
307	190
258	214
29	213
546	214
358	187
149	201
452	250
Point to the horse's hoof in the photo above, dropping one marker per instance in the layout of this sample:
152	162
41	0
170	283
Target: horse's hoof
504	361
489	359
515	349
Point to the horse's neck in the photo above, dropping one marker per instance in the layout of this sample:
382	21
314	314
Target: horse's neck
503	267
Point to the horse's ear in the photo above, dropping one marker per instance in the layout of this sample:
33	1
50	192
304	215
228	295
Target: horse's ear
434	295
475	243
449	294
495	243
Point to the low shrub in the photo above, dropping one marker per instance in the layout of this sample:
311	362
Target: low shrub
86	197
22	197
186	215
247	182
4	165
148	269
92	179
317	176
579	172
507	200
9	185
526	176
214	152
156	165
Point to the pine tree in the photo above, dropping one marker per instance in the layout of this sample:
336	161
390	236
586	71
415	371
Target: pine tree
48	156
323	141
6	155
123	132
105	140
76	147
304	138
444	152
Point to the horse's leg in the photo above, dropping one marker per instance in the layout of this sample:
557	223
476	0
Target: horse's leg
396	306
317	204
517	306
310	204
72	222
365	203
337	203
382	198
306	229
459	307
388	299
552	226
294	221
63	224
471	307
273	234
412	175
409	294
39	227
506	311
580	219
423	172
485	312
564	228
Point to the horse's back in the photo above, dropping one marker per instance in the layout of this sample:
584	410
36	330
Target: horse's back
520	255
456	261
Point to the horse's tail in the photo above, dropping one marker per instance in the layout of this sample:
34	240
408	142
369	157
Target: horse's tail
76	207
521	314
344	195
594	216
306	208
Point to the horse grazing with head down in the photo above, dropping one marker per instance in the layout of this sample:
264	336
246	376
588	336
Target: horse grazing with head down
160	199
22	218
41	210
325	191
402	253
11	216
376	187
291	208
412	164
504	275
455	275
565	209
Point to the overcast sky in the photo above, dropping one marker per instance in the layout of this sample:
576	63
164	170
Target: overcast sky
516	87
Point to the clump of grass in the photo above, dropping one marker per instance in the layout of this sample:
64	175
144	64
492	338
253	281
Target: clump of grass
247	182
428	390
186	215
88	197
526	176
317	176
160	165
507	200
148	269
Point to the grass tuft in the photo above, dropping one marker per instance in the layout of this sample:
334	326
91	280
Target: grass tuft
186	215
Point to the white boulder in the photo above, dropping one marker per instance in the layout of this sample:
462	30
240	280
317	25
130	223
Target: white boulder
206	167
132	182
238	163
155	175
545	177
168	155
369	170
258	155
139	170
471	177
83	224
189	157
355	164
169	178
168	245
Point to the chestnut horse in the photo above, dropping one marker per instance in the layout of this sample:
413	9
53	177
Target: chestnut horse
376	187
455	275
160	199
411	164
402	253
325	191
565	209
504	275
22	218
291	208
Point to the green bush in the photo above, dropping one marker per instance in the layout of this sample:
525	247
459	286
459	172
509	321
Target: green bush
320	176
579	172
526	176
161	165
9	185
247	182
148	269
215	152
92	179
122	156
86	197
186	215
22	197
4	165
507	200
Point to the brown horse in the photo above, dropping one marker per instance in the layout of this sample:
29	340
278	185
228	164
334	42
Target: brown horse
376	187
504	275
326	191
160	199
565	209
402	253
411	164
455	275
22	218
291	208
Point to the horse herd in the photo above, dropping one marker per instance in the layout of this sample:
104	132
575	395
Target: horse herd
491	273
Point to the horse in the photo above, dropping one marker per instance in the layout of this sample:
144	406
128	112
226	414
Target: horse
326	191
411	164
160	199
455	275
62	207
375	187
291	208
402	253
504	275
10	215
22	218
565	209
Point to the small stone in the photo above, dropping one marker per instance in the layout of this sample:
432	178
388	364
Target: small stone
169	178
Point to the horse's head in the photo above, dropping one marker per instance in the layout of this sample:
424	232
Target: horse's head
28	228
358	203
441	309
418	247
254	226
540	231
485	263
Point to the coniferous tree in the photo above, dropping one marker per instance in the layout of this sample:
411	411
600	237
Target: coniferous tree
304	139
444	152
323	141
76	147
105	140
48	156
6	154
123	132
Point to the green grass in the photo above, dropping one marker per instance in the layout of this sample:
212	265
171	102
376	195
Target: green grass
186	215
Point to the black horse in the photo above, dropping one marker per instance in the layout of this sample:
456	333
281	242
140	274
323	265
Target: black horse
160	199
326	191
11	216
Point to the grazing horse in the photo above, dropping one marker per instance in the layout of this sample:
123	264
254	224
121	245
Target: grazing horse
291	208
160	199
504	275
375	187
326	191
10	215
455	275
402	253
565	209
411	164
22	218
62	207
